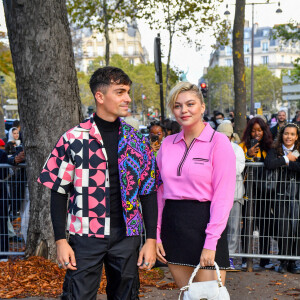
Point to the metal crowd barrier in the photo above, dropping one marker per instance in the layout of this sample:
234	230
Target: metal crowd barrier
269	221
14	209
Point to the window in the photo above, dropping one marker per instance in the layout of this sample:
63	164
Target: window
229	62
265	46
121	50
99	37
120	36
131	61
90	51
100	51
247	61
101	63
246	34
282	59
130	50
266	32
228	50
265	60
246	48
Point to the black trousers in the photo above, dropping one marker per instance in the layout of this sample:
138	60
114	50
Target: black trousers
118	253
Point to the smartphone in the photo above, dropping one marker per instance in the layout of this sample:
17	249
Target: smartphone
154	138
253	142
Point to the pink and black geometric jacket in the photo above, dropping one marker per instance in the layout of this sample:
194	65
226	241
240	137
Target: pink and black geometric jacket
78	165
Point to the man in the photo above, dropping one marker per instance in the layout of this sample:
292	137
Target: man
218	118
107	167
281	121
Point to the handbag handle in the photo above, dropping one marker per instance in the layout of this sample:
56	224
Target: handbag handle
197	269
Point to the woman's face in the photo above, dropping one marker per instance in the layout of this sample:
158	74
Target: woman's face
289	136
15	134
257	132
157	130
188	109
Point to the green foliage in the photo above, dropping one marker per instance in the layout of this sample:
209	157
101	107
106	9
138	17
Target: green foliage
103	15
94	14
6	65
8	87
181	18
290	33
267	87
142	76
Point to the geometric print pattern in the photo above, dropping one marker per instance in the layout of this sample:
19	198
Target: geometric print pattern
78	166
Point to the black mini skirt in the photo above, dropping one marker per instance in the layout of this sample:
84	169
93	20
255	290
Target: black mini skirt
183	233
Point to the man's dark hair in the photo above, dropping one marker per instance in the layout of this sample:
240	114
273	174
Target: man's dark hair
217	113
102	78
16	123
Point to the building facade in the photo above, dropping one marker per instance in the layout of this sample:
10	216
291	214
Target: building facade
89	45
274	53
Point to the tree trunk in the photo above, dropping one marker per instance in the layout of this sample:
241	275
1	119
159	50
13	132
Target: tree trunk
239	68
106	34
48	98
168	68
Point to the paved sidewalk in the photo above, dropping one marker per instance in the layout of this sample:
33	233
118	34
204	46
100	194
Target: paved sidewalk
258	285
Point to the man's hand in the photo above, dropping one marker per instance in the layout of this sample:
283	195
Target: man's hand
65	255
207	258
147	255
20	157
160	253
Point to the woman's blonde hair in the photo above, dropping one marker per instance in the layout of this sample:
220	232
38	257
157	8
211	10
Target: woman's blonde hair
181	87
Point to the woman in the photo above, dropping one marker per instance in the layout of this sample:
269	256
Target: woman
285	153
156	134
234	221
197	168
13	141
256	142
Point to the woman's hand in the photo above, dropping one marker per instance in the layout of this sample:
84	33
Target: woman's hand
207	258
155	146
160	253
253	150
291	157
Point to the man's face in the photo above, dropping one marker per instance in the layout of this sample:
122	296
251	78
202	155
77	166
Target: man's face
281	117
114	102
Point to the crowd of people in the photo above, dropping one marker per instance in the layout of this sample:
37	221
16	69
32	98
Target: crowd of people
12	187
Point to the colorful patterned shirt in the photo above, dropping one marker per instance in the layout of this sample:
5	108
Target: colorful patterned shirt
78	165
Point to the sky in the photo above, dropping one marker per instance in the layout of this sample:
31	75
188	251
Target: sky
187	58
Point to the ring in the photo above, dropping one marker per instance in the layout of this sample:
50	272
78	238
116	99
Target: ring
146	264
66	264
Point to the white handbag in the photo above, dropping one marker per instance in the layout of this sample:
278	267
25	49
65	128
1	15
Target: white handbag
204	290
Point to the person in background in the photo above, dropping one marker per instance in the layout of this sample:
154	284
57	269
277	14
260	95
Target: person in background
281	121
256	142
2	144
4	199
197	168
234	220
285	155
156	135
13	141
17	124
218	118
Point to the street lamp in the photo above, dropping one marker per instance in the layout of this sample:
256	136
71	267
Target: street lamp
278	11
